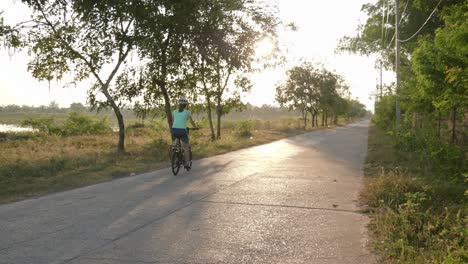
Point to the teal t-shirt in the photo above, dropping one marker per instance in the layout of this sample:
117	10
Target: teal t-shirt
180	119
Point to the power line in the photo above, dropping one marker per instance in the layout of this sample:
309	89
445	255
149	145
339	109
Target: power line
403	16
425	22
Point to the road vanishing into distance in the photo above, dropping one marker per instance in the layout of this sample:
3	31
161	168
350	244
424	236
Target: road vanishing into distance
290	201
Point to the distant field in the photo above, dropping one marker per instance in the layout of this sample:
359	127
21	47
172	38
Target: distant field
16	118
129	118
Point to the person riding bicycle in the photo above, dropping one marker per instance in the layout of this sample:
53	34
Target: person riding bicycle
179	126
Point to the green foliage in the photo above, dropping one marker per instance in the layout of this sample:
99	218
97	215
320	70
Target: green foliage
311	89
413	223
384	115
376	35
418	214
244	128
439	64
43	124
75	124
390	189
78	124
429	155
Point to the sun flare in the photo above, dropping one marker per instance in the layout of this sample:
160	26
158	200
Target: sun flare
264	47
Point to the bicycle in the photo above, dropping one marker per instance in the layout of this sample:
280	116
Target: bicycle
178	157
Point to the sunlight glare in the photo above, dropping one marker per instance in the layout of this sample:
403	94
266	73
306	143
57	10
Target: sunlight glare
264	47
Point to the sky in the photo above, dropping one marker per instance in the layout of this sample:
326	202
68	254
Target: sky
320	26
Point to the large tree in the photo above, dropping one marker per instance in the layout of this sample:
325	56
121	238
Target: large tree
433	33
225	49
439	67
90	39
300	91
314	89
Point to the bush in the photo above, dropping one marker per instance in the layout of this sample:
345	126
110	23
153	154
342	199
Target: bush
419	230
429	155
390	189
78	124
42	124
244	128
384	116
418	213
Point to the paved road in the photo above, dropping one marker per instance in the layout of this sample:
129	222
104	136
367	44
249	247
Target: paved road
291	201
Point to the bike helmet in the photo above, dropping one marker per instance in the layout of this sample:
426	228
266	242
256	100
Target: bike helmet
182	101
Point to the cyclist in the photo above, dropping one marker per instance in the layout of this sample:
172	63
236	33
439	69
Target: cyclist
179	127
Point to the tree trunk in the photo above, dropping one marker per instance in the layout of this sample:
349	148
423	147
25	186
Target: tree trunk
454	124
210	118
316	119
326	119
167	106
304	117
335	119
218	114
313	119
305	120
120	120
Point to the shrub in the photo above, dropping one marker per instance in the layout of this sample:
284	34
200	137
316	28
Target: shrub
384	116
78	124
431	156
43	124
244	128
389	189
417	231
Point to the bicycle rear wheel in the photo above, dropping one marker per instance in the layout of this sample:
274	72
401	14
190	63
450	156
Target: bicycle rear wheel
175	164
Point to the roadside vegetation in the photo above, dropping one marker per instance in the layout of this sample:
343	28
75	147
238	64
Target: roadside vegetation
417	171
418	201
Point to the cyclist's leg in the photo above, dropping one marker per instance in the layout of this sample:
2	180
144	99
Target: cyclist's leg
185	140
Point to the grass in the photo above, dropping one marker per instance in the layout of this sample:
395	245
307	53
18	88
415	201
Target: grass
15	118
417	216
34	164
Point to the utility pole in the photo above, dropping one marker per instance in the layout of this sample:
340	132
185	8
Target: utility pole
381	84
397	62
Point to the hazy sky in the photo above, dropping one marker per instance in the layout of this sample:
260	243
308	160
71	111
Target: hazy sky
320	25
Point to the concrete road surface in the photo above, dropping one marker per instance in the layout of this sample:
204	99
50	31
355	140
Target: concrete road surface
290	201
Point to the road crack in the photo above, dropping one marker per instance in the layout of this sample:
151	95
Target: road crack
287	206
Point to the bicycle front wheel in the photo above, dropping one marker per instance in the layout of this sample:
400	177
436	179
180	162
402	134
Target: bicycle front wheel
175	164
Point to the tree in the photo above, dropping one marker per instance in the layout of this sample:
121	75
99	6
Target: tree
439	65
83	37
313	90
300	91
165	28
77	107
225	52
433	37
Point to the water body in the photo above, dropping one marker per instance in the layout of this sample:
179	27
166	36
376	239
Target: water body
14	128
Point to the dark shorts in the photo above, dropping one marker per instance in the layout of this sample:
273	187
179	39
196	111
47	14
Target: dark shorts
181	134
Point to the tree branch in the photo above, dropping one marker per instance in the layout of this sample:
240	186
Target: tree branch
75	52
